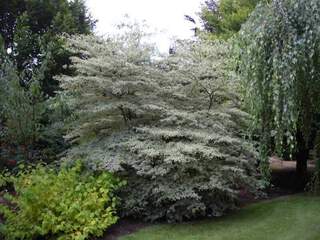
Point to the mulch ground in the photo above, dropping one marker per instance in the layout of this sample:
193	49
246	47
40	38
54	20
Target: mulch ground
123	227
284	174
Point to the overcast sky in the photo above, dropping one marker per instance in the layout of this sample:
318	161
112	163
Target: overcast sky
165	16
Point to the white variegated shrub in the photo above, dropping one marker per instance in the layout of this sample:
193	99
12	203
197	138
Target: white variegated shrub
171	126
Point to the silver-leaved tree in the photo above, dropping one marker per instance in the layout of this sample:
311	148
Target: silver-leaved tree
171	126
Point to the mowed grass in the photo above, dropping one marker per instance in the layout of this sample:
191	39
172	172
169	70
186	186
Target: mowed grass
287	218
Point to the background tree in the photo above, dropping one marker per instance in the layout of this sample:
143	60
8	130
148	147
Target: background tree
224	18
29	26
21	110
34	53
280	66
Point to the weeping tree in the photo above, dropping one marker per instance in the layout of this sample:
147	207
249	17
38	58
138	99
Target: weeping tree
169	126
279	49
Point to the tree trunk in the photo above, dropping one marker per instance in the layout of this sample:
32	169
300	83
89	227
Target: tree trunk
302	156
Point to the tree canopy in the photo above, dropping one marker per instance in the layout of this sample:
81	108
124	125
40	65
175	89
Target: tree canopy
43	16
224	18
31	29
172	127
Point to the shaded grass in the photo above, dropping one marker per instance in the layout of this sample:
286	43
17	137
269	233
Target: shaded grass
287	218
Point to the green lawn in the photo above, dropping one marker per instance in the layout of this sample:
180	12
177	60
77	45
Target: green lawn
295	218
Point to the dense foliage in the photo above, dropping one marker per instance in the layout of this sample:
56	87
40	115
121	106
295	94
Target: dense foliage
44	15
32	52
22	111
224	18
64	204
170	126
280	66
30	30
30	126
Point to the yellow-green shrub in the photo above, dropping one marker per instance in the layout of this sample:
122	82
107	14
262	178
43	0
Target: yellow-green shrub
65	204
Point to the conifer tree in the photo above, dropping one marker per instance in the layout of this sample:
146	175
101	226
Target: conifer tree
21	111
